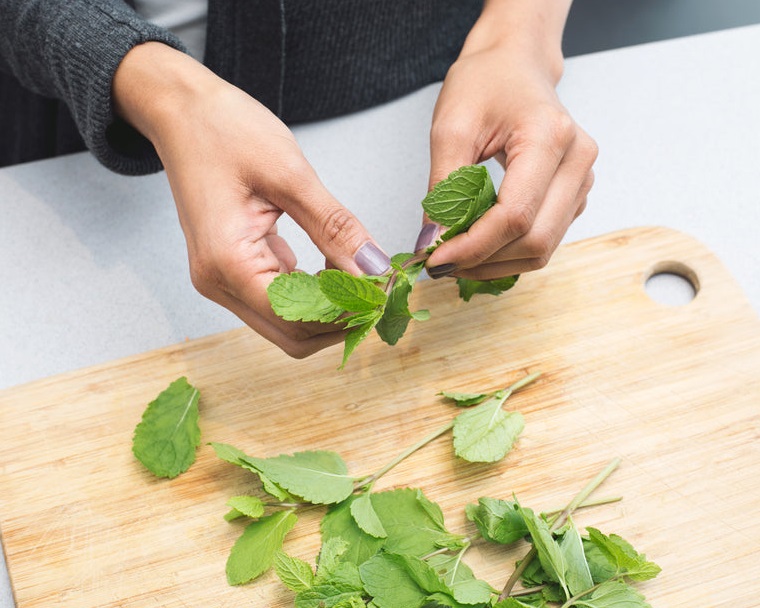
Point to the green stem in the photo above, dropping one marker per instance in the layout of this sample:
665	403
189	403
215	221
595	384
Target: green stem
557	521
591	503
362	482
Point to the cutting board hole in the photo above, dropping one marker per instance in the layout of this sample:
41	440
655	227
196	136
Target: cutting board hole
672	284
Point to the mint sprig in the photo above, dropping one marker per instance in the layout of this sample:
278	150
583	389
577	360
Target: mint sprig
361	304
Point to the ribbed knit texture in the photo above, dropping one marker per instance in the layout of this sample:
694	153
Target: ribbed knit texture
304	59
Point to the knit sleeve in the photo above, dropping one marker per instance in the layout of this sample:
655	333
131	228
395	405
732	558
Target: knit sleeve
69	50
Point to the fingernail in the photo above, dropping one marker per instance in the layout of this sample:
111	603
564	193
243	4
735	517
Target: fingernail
371	259
438	272
427	236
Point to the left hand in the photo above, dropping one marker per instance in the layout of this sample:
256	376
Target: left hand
499	101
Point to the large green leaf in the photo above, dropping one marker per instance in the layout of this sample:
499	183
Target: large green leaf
298	297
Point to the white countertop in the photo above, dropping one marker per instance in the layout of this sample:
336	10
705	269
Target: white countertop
94	264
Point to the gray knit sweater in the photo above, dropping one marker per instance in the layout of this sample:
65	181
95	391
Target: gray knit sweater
304	59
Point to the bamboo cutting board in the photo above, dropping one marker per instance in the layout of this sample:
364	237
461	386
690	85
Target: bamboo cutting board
673	391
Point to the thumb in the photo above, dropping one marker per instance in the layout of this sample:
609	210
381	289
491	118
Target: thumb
337	233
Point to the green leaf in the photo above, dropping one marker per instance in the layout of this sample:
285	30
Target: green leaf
254	552
297	297
166	438
294	573
338	523
248	506
460	199
623	557
239	458
577	573
329	595
396	316
354	294
394	580
364	514
613	595
549	552
498	521
357	335
486	432
460	580
530	601
494	287
414	524
319	477
465	399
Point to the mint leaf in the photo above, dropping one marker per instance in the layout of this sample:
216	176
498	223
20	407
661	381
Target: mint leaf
254	552
330	595
622	557
465	399
358	334
338	523
486	432
397	315
294	573
577	573
298	297
498	521
549	552
318	477
460	199
244	506
531	601
460	580
494	287
364	514
413	524
354	294
395	580
613	595
166	438
233	455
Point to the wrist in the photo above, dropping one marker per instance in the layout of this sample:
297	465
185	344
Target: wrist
154	86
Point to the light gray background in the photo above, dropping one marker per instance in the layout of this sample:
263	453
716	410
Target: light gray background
94	264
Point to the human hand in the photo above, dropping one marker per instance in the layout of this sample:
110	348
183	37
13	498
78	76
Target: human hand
234	169
498	100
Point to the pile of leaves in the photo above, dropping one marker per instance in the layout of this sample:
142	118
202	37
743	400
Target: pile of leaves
391	549
364	303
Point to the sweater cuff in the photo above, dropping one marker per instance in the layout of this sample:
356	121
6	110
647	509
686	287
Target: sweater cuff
85	61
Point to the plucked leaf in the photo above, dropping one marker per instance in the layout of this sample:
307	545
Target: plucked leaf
364	514
465	399
577	573
294	573
254	552
318	477
486	432
338	523
623	557
498	521
394	580
357	335
297	297
613	594
549	552
233	455
460	199
245	506
166	438
531	601
329	595
460	580
494	287
354	294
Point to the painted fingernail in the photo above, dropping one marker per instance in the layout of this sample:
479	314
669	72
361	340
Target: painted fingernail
371	259
438	272
427	236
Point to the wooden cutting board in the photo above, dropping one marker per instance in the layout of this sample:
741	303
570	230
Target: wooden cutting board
673	391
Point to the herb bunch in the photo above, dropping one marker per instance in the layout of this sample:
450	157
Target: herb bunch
364	303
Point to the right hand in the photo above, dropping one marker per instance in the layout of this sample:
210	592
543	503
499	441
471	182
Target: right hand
234	168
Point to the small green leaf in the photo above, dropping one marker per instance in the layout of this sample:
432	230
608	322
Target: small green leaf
497	520
486	432
577	573
166	438
357	335
294	573
338	523
354	294
364	514
297	297
460	580
330	595
465	399
613	595
318	477
623	557
249	506
494	287
394	580
239	458
254	552
549	552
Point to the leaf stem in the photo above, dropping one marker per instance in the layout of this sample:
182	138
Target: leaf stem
556	521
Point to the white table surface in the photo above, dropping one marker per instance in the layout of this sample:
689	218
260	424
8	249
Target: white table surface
94	267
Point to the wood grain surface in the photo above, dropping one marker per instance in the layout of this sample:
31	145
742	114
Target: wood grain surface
674	391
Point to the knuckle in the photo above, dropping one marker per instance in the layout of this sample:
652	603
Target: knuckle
520	220
540	246
338	225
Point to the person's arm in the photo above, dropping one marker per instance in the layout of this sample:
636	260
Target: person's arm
69	50
499	101
234	169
